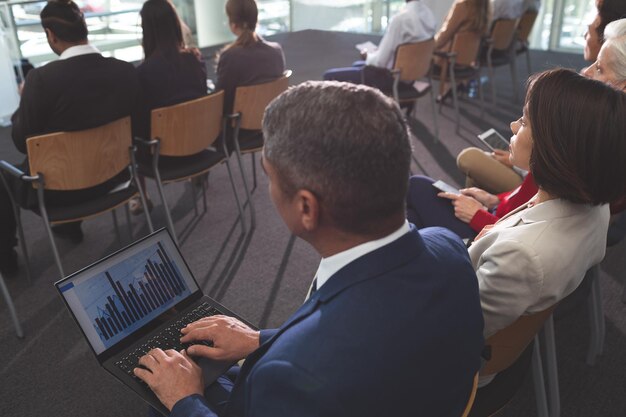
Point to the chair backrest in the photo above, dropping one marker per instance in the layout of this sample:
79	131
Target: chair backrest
509	343
503	32
413	59
81	159
252	100
466	45
526	24
470	401
187	128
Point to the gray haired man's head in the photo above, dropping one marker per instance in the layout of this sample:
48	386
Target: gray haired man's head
347	144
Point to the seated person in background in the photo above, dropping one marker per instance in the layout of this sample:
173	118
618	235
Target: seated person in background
610	64
169	74
392	326
507	9
414	23
469	212
464	16
81	90
538	254
250	59
608	11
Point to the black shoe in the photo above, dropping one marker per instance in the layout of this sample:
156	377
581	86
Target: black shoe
69	231
8	262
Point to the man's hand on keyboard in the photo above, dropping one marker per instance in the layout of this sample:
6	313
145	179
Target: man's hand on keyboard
232	340
171	375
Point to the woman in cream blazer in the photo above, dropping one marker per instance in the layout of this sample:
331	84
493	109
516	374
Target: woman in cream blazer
575	148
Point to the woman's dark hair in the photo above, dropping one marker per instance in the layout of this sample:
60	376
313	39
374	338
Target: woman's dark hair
579	137
161	29
609	11
244	14
65	20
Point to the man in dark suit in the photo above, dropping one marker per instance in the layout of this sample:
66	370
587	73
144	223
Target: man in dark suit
393	323
81	90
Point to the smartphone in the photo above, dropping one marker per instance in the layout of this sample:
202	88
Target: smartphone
442	186
494	140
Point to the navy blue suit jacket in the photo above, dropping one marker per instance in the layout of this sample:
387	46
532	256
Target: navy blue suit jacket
397	332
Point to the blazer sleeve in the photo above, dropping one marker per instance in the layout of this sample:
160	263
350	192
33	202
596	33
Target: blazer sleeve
510	277
227	78
193	406
283	389
456	17
29	119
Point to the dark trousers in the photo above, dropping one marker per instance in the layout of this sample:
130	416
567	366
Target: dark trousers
8	227
426	209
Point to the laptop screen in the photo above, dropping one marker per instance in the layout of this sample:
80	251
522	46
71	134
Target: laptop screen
113	298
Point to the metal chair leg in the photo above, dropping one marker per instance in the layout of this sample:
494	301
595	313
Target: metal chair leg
116	226
253	172
513	65
205	180
243	177
46	221
129	224
20	231
528	66
455	99
194	195
538	381
554	398
11	306
592	350
434	109
599	307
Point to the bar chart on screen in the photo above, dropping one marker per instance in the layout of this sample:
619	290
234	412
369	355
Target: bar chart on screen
131	293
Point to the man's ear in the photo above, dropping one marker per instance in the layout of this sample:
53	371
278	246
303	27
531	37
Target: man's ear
308	206
51	36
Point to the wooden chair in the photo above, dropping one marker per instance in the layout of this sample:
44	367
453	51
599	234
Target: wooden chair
470	402
71	161
412	63
460	64
12	312
246	120
508	348
500	50
524	28
193	132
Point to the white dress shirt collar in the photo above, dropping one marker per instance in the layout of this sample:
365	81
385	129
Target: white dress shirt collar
78	50
329	266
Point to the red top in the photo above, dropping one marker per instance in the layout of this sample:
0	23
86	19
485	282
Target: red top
509	201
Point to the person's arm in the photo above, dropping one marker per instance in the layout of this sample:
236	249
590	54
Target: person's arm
283	389
29	119
481	219
227	78
454	20
388	44
510	278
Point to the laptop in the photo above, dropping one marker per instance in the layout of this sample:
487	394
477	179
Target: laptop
135	300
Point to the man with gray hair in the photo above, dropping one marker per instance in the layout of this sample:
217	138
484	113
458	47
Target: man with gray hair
392	325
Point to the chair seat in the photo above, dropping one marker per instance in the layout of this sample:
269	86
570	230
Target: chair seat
93	207
498	58
414	91
250	140
461	72
180	168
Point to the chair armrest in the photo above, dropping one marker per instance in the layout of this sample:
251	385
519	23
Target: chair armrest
145	142
443	54
232	116
11	169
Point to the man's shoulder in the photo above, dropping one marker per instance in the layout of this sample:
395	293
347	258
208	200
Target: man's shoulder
65	67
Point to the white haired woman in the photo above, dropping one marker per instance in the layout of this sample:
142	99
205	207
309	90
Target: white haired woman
610	65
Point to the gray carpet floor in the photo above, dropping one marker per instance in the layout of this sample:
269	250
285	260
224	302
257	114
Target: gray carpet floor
52	371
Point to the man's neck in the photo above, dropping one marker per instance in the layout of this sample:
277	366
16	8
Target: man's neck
67	45
330	240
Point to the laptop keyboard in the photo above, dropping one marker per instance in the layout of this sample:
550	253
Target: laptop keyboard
167	338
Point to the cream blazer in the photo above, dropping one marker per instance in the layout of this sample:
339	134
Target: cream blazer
536	256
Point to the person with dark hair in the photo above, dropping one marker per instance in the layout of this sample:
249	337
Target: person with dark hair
537	255
384	293
81	90
249	59
608	11
170	73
